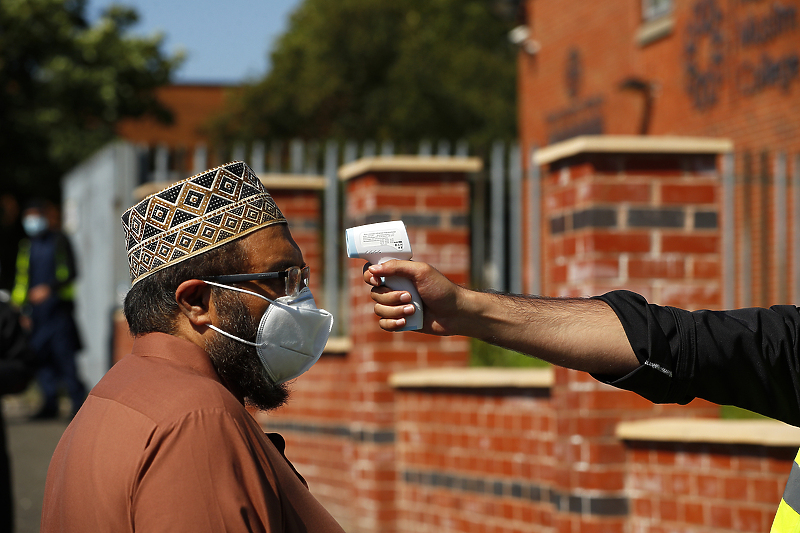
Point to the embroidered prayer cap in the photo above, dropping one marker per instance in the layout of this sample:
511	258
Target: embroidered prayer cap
196	215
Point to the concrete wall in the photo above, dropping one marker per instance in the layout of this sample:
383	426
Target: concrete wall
95	195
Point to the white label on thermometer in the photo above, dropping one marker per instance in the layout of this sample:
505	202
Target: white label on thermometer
381	238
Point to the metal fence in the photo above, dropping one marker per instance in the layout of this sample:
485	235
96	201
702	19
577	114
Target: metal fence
761	228
497	191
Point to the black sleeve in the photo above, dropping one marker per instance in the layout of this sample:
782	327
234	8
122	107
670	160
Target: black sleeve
746	357
17	361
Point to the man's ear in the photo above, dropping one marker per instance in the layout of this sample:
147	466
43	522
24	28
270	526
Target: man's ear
193	297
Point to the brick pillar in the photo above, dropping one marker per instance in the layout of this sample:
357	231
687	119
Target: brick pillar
300	200
641	213
431	195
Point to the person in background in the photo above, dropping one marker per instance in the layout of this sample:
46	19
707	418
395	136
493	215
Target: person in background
44	291
17	366
749	358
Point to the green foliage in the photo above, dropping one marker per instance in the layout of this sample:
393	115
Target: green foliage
371	69
64	84
484	354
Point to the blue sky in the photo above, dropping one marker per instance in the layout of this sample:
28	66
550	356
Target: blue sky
225	41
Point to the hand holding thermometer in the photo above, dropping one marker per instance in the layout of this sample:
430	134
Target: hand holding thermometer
378	243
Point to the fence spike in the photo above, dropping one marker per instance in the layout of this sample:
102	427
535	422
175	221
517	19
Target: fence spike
515	238
257	157
498	213
296	150
238	152
275	153
425	148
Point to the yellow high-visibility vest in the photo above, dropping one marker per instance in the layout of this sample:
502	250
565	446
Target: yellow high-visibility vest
19	293
787	519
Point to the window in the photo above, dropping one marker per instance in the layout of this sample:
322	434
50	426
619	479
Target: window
657	21
653	9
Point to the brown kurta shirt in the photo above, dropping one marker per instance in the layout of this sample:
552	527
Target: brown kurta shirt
161	445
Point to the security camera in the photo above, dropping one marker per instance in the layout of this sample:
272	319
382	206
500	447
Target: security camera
521	36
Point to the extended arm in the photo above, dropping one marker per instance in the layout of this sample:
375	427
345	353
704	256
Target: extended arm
749	358
583	334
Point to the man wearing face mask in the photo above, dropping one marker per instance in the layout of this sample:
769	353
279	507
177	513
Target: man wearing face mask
222	316
44	292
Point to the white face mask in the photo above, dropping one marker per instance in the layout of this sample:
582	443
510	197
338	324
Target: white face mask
291	335
34	225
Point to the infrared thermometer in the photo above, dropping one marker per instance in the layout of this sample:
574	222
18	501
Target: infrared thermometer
378	243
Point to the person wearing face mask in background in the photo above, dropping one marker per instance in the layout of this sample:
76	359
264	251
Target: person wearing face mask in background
222	316
44	292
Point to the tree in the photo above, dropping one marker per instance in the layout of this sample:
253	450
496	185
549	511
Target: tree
401	70
64	84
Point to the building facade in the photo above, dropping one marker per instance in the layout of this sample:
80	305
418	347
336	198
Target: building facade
710	68
178	149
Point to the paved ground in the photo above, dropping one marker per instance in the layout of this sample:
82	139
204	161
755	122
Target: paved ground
30	445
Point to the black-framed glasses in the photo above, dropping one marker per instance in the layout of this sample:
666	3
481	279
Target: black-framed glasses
296	278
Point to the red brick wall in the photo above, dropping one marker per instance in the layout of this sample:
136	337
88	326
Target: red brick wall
705	487
617	221
515	459
340	423
303	208
316	426
474	460
434	206
590	462
521	459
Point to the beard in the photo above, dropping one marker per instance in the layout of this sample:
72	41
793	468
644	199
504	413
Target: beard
237	363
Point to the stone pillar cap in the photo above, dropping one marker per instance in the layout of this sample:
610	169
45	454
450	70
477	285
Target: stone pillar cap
631	144
409	163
